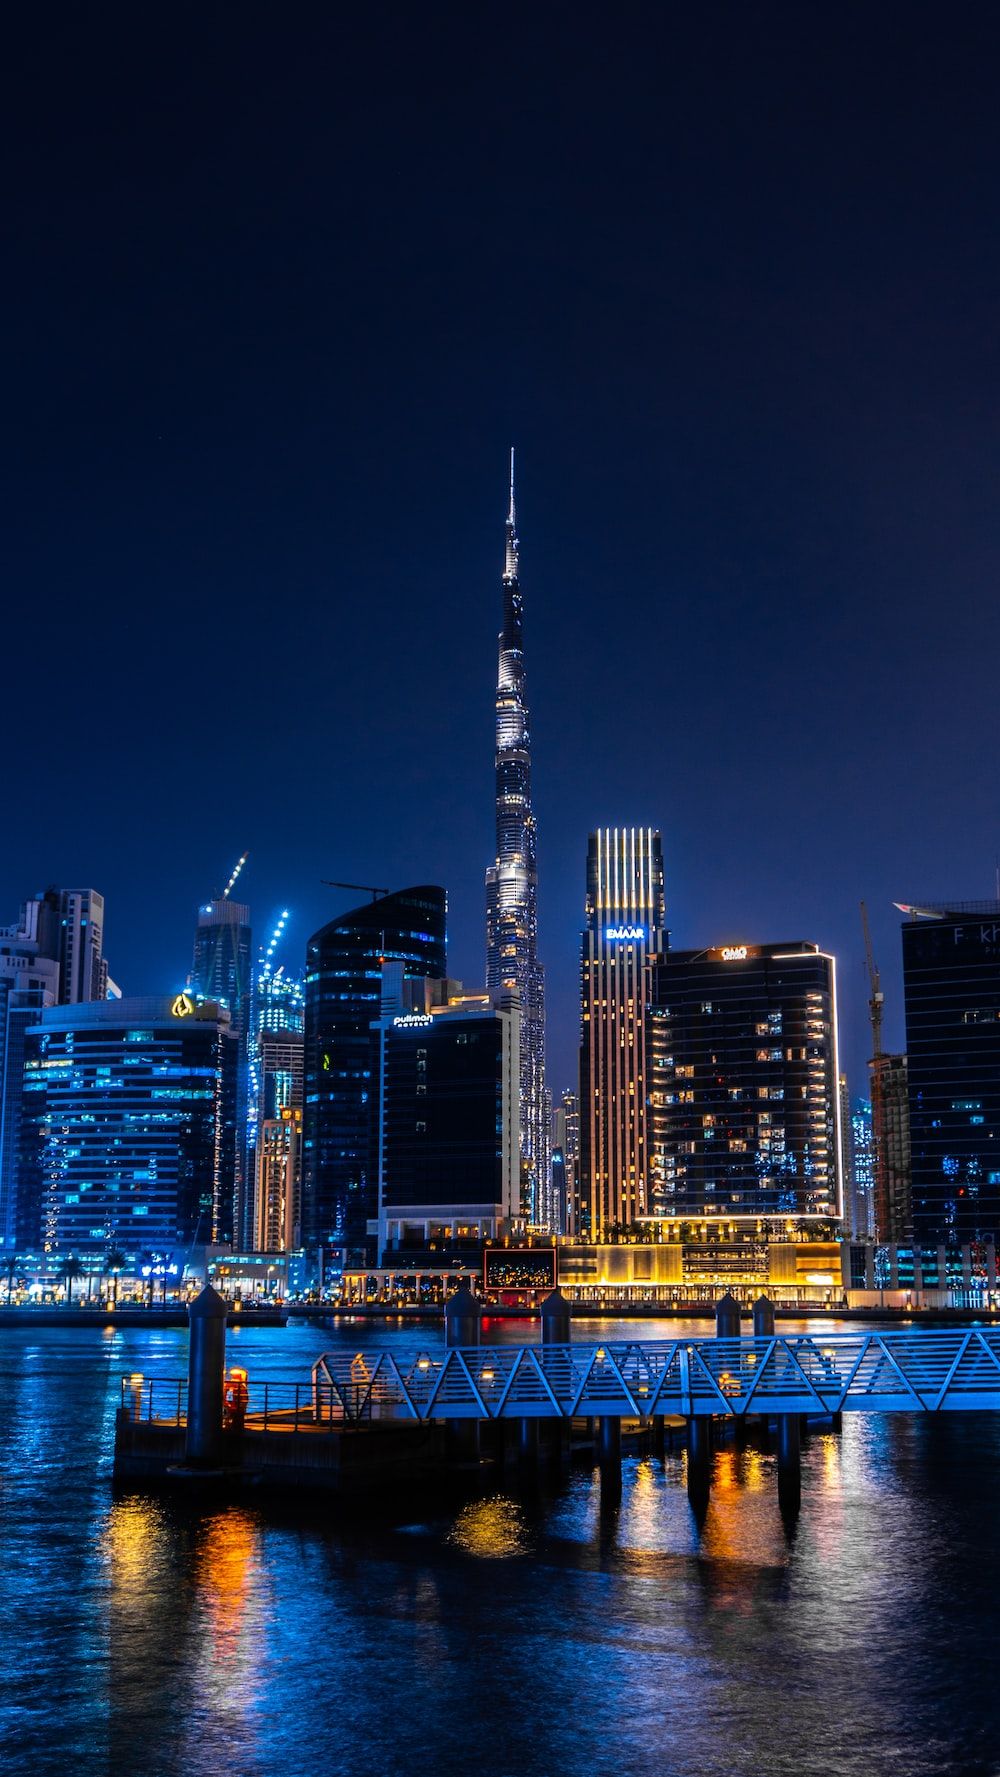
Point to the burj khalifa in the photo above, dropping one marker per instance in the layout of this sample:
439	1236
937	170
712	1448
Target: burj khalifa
512	966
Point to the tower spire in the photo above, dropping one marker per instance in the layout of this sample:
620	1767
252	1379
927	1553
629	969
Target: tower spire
510	566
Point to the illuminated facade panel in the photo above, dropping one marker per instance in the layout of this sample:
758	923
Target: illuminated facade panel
625	933
512	966
744	1096
128	1130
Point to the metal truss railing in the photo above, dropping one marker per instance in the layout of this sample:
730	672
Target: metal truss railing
830	1373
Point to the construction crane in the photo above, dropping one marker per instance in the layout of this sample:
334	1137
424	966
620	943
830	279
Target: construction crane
876	1003
231	884
363	888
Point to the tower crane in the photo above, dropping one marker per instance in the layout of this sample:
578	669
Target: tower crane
876	1001
363	888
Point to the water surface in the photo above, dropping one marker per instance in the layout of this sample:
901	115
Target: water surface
539	1634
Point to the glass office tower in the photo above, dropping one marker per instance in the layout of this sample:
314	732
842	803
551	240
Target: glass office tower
221	972
951	985
745	1091
128	1129
344	971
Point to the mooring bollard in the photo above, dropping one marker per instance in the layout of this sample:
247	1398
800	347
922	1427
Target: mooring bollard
203	1443
763	1318
727	1318
462	1327
462	1317
556	1317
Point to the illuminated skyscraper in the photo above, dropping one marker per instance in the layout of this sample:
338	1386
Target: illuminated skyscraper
222	972
625	931
512	965
745	1104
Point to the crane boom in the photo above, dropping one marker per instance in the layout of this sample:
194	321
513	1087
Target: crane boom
363	888
876	1002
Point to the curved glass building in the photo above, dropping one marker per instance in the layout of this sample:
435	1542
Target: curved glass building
343	996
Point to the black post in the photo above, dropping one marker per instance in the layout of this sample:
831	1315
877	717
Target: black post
609	1455
203	1445
556	1319
699	1450
727	1317
789	1459
763	1318
462	1317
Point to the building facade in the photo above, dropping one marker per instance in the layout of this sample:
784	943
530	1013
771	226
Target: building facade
862	1217
951	986
512	965
128	1131
343	997
447	1127
29	982
745	1093
221	972
893	1209
625	934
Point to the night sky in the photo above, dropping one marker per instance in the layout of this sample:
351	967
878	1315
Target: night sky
283	285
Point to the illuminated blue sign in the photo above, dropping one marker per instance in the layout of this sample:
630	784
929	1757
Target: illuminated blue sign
630	934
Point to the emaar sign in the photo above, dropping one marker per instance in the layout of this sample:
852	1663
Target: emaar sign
625	934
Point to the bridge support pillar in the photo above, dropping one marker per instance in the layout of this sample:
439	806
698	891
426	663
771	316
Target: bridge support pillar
203	1441
609	1455
527	1442
461	1440
699	1451
659	1435
789	1459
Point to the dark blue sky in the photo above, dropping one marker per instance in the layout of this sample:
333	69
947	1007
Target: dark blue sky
281	289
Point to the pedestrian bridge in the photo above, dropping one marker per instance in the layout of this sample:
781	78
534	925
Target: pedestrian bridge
863	1372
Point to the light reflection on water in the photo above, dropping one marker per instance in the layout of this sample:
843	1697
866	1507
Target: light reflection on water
538	1631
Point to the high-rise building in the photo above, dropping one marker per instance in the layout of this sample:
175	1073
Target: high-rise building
128	1131
221	972
862	1220
447	1135
892	1203
274	1135
83	971
29	981
279	1173
951	985
625	933
343	995
512	965
745	1100
566	1164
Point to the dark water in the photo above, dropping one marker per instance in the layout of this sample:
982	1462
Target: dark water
506	1635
